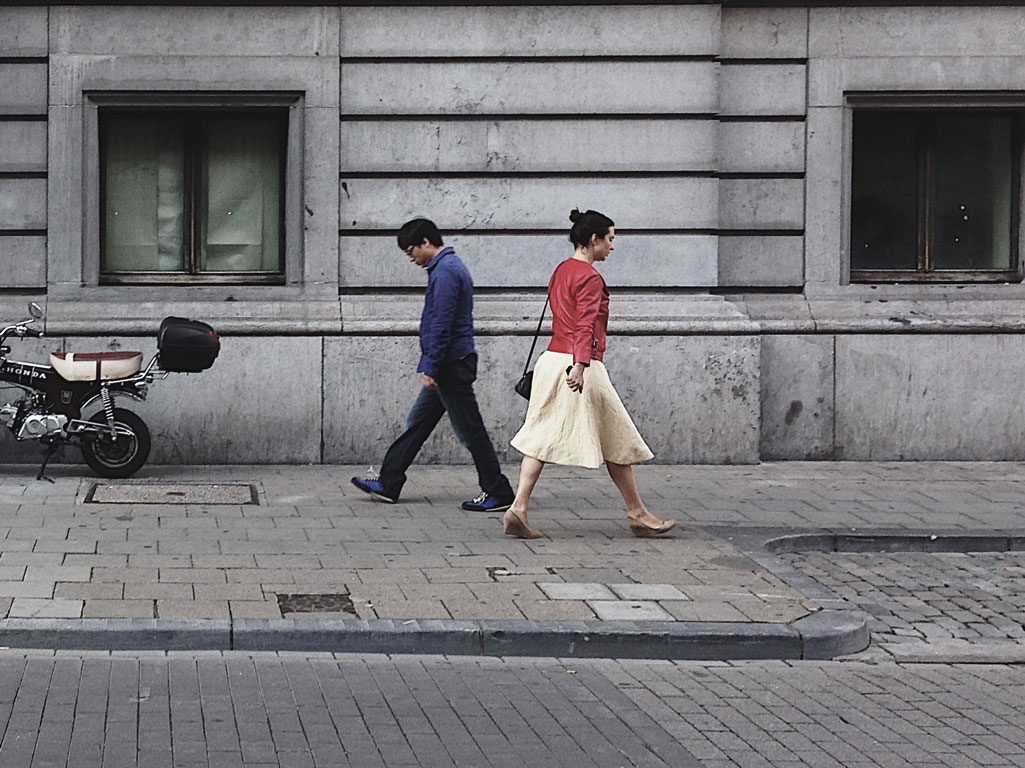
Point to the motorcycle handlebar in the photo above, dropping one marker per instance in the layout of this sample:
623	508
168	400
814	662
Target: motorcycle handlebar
19	330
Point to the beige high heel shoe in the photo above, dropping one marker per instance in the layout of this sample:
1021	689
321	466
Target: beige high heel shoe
645	531
514	526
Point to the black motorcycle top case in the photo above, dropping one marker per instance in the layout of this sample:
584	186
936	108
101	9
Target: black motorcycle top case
186	346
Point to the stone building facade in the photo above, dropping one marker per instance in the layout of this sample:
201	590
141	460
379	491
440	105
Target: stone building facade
818	209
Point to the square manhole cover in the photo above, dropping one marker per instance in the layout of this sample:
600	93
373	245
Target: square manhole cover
337	603
172	493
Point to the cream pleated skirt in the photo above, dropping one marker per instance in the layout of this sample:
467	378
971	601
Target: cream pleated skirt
581	429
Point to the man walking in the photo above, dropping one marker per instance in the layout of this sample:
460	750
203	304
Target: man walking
448	364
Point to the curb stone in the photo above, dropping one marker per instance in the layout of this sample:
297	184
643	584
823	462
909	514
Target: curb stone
899	541
700	641
117	634
454	637
831	632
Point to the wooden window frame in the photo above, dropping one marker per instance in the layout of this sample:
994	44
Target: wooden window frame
922	105
197	107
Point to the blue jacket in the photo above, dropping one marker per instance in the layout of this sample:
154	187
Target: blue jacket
446	324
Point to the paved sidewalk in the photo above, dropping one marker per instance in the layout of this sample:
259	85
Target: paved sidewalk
195	562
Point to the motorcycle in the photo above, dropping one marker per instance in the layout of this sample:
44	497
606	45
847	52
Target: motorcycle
115	442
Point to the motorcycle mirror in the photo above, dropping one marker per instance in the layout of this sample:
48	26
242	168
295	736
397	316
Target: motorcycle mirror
35	310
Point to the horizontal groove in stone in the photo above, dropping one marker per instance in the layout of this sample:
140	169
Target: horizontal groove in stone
537	117
754	61
435	59
506	231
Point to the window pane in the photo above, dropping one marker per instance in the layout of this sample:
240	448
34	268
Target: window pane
884	195
242	222
971	177
144	205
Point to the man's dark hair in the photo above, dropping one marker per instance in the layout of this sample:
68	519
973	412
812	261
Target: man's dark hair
413	233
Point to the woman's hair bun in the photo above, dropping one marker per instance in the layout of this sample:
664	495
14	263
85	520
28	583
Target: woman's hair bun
588	224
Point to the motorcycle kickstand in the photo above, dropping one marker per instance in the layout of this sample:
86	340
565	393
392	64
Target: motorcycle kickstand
51	449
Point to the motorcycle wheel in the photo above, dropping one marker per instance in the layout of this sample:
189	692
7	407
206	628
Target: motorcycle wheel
123	457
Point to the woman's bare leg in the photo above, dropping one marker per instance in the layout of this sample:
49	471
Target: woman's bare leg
530	471
623	476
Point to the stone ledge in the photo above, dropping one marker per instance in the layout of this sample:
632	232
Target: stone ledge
278	317
517	314
911	309
398	314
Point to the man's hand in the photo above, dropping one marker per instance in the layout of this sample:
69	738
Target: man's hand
575	377
429	383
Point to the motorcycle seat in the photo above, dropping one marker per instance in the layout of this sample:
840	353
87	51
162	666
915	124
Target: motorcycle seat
90	366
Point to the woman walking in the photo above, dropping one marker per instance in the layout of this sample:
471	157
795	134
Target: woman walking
568	421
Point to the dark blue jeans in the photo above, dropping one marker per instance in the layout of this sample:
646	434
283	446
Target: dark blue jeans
454	395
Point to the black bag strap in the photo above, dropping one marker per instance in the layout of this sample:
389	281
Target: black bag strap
540	320
537	333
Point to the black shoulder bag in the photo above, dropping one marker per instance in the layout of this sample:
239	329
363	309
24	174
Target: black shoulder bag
527	379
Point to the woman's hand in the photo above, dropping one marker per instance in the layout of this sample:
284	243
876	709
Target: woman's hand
575	377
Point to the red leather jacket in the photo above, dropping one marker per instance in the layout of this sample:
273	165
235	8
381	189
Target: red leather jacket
580	311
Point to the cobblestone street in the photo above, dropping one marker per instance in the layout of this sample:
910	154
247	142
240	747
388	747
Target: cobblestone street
835	714
964	606
225	710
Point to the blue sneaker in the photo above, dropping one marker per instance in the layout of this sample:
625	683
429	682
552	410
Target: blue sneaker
373	487
486	503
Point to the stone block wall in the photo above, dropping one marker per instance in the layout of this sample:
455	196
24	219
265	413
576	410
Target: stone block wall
23	105
497	121
908	397
716	136
763	75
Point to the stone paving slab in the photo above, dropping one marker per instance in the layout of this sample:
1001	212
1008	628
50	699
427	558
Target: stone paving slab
313	533
423	558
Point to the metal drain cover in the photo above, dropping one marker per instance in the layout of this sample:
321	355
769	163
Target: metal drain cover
172	493
337	603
